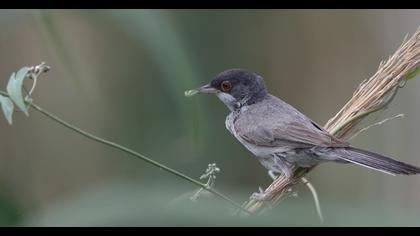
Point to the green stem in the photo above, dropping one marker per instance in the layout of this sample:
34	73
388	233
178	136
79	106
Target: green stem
132	153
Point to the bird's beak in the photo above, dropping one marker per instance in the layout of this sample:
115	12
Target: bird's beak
206	89
203	89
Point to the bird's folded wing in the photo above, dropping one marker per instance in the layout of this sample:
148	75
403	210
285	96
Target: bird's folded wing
308	135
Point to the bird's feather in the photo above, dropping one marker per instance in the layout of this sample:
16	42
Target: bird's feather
374	161
277	124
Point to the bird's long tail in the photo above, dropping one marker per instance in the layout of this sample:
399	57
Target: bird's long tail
375	161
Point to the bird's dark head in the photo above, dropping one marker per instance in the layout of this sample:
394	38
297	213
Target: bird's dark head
236	88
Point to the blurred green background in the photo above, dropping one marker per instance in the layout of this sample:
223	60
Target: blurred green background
121	74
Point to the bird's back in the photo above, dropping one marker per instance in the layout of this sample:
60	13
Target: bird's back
274	123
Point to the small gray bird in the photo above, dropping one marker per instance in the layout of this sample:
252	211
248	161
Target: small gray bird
279	135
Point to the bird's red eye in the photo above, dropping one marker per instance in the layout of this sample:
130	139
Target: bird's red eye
226	86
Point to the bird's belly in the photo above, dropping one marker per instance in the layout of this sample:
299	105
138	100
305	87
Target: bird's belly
262	151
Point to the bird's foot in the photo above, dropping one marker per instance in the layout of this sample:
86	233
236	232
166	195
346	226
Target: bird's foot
261	196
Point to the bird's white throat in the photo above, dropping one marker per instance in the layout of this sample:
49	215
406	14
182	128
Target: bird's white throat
228	100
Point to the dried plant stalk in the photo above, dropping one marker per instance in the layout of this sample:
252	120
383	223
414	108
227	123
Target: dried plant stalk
372	95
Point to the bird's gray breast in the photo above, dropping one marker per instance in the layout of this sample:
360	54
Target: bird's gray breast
259	151
229	122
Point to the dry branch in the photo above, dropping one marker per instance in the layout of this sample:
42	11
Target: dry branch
372	95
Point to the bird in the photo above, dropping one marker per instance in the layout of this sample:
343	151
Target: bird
280	136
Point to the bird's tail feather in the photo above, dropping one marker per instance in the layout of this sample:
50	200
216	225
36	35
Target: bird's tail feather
375	161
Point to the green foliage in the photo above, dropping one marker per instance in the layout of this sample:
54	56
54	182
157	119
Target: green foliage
14	88
7	107
412	74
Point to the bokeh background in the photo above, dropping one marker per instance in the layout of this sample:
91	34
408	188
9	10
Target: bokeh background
121	74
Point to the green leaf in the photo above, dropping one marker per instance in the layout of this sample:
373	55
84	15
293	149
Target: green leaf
412	74
7	106
14	88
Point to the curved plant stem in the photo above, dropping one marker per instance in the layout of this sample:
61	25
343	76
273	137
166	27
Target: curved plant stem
365	113
316	199
132	153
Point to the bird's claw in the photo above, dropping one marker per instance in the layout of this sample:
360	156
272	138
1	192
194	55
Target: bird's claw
261	196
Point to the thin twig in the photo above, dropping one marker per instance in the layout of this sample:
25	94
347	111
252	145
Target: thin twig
132	153
375	124
315	196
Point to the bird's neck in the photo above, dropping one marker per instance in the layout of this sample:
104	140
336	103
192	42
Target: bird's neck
236	105
255	98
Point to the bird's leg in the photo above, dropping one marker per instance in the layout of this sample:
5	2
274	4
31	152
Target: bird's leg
262	196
